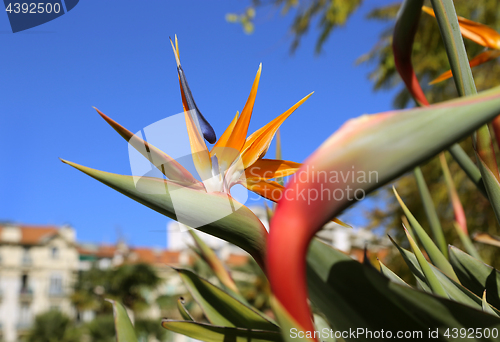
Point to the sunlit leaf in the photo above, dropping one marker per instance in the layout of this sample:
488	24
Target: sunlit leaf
222	309
124	328
211	333
213	213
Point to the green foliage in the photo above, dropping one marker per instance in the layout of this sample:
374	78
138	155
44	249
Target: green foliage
480	216
429	55
53	326
352	295
221	308
245	19
102	329
257	290
127	283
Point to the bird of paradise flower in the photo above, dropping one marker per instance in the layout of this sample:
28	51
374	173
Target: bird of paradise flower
234	159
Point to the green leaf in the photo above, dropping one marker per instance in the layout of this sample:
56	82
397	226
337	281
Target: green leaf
430	247
351	295
476	275
391	275
486	307
431	278
412	263
279	180
430	211
192	207
183	311
322	325
124	328
454	45
453	289
222	309
269	212
492	186
211	333
408	227
470	169
220	271
466	241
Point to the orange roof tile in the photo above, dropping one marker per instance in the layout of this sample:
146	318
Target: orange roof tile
170	257
32	235
236	259
100	251
152	256
105	251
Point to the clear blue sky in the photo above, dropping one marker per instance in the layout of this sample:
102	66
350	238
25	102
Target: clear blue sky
115	55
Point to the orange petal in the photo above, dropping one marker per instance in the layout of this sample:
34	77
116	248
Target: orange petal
225	136
166	164
258	143
487	239
268	189
478	33
271	168
177	47
343	224
199	151
444	76
483	57
237	138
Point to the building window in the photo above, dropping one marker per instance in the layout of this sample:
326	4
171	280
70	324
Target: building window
24	316
56	285
54	253
26	259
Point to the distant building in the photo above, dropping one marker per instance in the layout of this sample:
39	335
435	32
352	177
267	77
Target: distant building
38	265
353	241
107	256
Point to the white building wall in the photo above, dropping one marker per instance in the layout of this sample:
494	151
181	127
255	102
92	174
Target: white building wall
39	271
